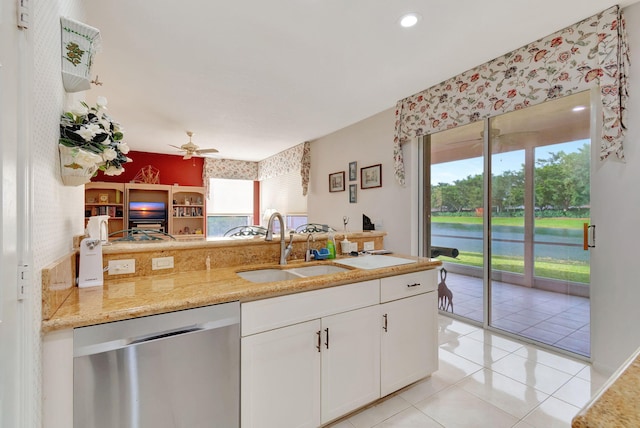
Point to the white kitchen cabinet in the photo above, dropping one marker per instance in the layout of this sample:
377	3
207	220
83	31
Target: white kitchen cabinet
280	384
288	382
409	342
330	343
350	361
284	370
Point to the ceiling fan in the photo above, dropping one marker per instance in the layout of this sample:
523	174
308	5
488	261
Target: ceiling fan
192	149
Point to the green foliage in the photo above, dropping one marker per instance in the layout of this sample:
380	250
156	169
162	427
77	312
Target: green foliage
561	187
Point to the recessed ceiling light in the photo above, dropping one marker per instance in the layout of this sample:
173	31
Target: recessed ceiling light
578	108
409	20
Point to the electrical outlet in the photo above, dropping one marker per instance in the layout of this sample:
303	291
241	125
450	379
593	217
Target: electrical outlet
119	267
368	246
162	263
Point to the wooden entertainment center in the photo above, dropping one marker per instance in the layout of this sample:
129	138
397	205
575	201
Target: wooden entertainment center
177	210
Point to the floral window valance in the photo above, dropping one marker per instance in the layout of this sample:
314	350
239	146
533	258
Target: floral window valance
593	52
296	158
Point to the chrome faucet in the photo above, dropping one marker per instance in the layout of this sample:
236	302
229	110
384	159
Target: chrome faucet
307	254
284	252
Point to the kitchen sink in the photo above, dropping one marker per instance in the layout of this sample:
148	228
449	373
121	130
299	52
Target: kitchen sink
267	275
317	270
271	275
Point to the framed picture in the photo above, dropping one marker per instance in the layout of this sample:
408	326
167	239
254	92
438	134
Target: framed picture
353	171
336	182
371	176
352	193
103	198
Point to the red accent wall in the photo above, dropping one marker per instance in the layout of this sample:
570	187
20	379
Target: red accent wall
173	169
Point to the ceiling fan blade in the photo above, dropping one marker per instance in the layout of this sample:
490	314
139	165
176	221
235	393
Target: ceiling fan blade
187	156
179	148
206	151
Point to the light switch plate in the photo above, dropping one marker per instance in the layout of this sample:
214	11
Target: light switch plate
119	267
158	263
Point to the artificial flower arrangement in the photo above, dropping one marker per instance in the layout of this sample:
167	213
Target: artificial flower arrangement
90	141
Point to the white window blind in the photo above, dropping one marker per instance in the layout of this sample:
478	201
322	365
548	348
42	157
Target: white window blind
228	196
283	194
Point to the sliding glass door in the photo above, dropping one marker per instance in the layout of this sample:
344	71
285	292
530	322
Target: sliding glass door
456	213
514	204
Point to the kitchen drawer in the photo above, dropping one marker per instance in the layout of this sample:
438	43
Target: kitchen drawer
410	284
267	314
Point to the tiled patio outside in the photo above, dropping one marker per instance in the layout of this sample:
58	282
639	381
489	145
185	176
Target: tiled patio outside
552	318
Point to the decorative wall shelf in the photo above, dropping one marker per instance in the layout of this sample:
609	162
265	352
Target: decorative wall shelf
80	42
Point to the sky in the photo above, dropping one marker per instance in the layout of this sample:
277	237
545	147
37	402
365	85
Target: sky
449	172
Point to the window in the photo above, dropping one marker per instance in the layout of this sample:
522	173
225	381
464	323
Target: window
230	204
284	195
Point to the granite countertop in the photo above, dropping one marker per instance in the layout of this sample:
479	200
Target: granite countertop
617	404
134	297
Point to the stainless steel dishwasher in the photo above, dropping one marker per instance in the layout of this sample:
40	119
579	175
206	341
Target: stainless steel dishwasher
179	369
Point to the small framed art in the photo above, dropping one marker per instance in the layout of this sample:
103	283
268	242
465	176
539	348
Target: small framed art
353	171
336	182
352	193
371	176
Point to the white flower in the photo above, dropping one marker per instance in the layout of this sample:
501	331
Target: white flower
109	154
79	109
113	170
86	159
101	102
105	123
123	147
89	131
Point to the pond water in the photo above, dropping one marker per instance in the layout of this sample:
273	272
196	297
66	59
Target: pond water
554	243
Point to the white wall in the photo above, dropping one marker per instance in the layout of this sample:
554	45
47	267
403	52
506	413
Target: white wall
368	142
57	209
615	289
12	60
615	294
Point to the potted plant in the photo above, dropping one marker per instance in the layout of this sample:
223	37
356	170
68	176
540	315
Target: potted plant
90	141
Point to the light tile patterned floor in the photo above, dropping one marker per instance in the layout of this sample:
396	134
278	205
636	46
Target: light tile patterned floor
487	380
552	318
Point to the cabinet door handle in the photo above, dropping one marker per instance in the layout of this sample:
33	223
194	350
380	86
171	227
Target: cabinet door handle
415	284
385	325
326	330
319	345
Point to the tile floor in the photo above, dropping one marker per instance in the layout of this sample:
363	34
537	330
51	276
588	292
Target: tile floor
552	318
487	380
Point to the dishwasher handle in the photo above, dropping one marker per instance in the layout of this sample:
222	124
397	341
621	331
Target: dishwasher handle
164	335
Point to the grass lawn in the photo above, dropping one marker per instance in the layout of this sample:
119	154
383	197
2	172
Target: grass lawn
562	270
558	222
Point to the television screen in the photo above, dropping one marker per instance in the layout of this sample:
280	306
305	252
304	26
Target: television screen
147	211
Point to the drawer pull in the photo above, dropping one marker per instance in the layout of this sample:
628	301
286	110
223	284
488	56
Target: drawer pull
319	345
416	284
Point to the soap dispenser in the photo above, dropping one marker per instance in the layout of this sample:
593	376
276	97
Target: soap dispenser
345	245
331	245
